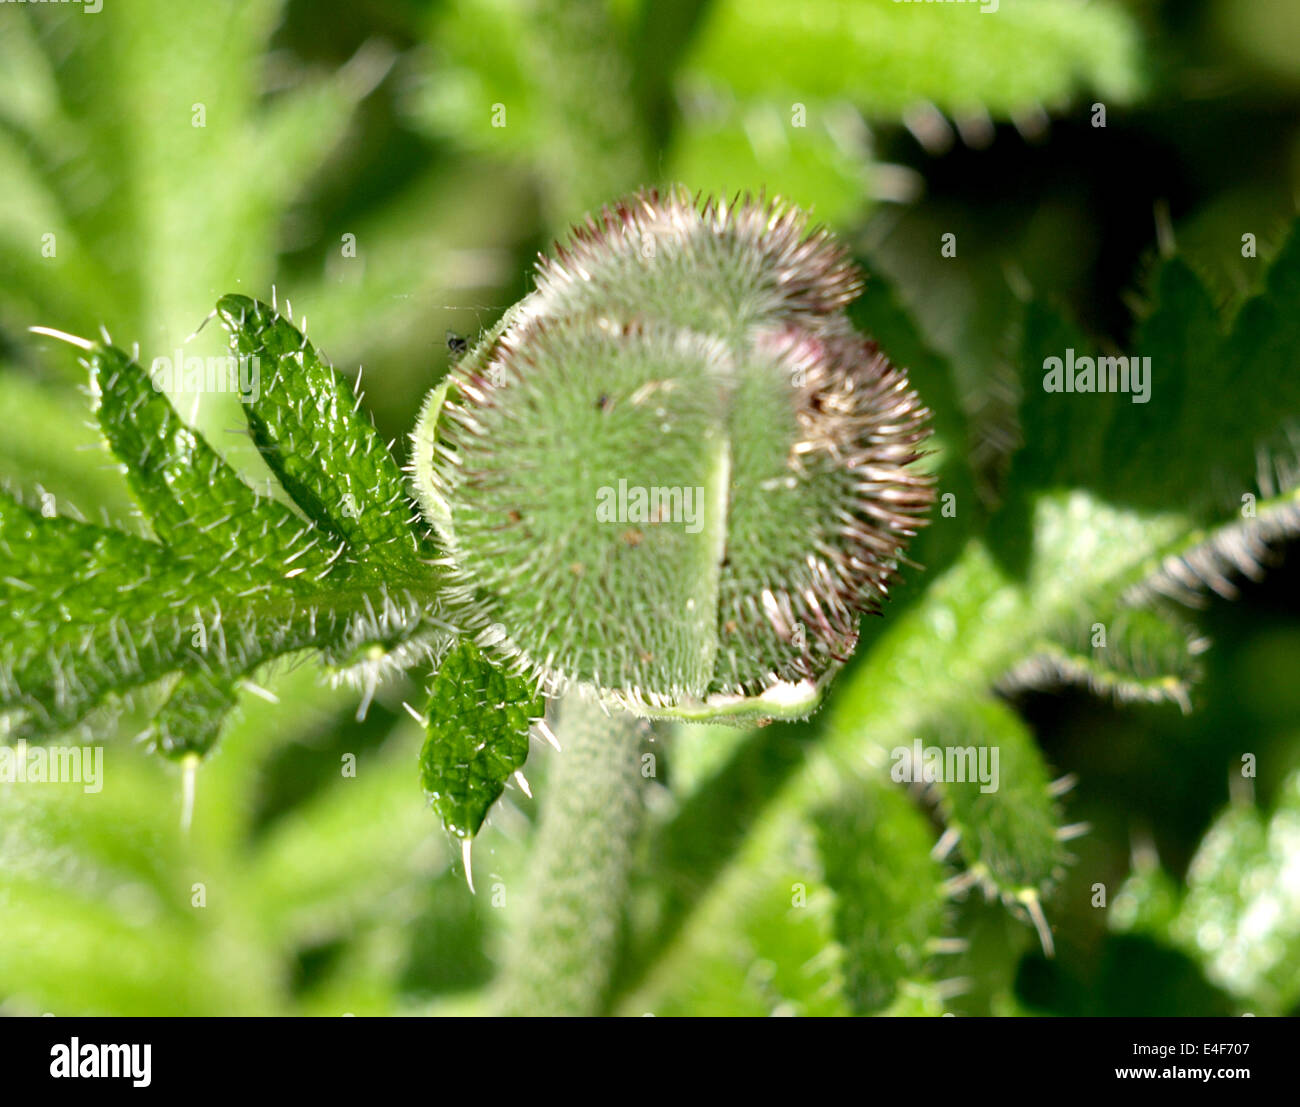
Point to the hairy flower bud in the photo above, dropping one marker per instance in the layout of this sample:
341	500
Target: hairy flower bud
674	471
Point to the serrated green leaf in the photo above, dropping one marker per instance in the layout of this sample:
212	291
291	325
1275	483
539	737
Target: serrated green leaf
86	611
91	612
197	504
235	580
1221	393
305	420
479	718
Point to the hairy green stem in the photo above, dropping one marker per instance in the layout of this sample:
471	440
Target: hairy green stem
562	954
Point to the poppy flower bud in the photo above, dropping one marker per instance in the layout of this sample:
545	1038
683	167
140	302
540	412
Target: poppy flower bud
674	471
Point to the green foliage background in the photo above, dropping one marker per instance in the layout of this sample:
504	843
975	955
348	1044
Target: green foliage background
779	870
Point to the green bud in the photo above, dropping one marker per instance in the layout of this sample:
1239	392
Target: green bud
674	471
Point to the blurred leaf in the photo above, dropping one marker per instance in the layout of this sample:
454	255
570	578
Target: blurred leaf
1196	360
756	113
89	612
129	128
1136	654
886	56
775	955
727	147
549	83
889	900
334	859
1239	917
105	909
66	460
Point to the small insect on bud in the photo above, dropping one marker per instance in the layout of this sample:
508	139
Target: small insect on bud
677	474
